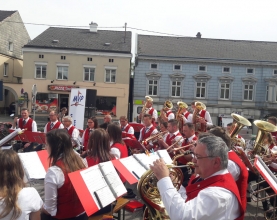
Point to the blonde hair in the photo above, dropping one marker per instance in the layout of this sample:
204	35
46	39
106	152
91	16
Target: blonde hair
11	182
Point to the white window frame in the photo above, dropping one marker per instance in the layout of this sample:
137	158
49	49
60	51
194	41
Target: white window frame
253	92
267	93
274	73
220	88
62	65
91	67
250	73
176	86
154	68
177	65
148	85
10	46
201	78
40	64
196	87
6	69
226	67
202	71
110	68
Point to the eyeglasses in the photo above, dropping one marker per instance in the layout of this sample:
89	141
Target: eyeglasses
199	158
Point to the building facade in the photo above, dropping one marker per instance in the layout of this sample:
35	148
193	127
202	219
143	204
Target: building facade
228	76
62	58
13	36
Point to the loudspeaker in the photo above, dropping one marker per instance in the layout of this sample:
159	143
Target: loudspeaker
91	98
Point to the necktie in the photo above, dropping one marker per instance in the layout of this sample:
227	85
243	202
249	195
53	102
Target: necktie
52	125
24	122
186	140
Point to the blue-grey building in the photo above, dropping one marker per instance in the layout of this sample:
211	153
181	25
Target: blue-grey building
227	75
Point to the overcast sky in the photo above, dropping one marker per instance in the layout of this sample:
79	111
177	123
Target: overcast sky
236	19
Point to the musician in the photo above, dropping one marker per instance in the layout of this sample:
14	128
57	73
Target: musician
167	114
25	122
148	130
163	126
61	200
213	194
149	110
240	139
54	123
235	165
92	124
62	114
125	127
205	117
72	131
273	120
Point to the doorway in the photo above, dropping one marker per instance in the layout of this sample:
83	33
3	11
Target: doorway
63	101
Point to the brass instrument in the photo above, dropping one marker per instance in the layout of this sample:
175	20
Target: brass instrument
175	143
198	107
167	105
179	114
238	123
155	136
143	111
150	195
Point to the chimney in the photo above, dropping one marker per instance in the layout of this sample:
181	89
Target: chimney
198	35
93	27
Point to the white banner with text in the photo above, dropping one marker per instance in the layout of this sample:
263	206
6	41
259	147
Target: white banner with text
77	107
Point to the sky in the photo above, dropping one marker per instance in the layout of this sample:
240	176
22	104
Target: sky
222	19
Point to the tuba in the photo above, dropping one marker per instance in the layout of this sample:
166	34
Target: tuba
143	111
198	107
179	114
150	195
167	105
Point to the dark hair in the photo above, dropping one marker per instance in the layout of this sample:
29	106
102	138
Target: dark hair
165	124
24	109
204	134
229	124
99	146
11	182
61	147
147	116
220	132
115	133
64	108
173	122
189	125
94	119
273	119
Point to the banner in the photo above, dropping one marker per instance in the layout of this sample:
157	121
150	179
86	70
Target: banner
77	107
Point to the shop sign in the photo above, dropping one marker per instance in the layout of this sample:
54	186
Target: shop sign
61	88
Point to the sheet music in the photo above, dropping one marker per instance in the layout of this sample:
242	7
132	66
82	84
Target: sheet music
153	157
165	156
112	178
144	160
32	165
133	166
10	136
95	182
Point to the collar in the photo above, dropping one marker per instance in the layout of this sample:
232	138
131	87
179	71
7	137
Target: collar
175	133
54	122
148	127
168	111
69	127
185	112
220	172
190	138
125	126
25	119
111	143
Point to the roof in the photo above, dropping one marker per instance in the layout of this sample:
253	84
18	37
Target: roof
205	48
5	14
83	39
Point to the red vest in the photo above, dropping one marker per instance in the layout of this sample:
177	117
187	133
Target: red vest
202	115
153	119
169	139
123	153
70	131
27	126
86	137
56	126
225	181
145	135
274	134
243	177
91	161
183	160
126	129
187	115
68	203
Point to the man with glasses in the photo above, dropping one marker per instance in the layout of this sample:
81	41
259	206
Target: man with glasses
54	122
212	194
72	131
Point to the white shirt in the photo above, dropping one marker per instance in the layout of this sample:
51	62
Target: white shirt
60	127
210	204
207	118
147	129
34	125
189	119
75	133
176	138
28	201
130	131
233	169
115	151
170	116
154	115
54	180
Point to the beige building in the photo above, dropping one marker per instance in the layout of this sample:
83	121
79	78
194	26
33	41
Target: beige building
63	58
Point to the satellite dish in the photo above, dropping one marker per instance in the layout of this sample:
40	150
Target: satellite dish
34	90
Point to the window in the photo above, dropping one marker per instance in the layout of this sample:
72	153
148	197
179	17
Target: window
110	75
225	90
275	72
88	74
89	58
266	93
176	89
152	87
62	72
110	60
154	66
200	90
63	57
250	71
202	68
40	72
6	69
226	69
40	56
10	46
248	92
177	67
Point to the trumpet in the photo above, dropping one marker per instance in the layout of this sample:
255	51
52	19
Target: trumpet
155	136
